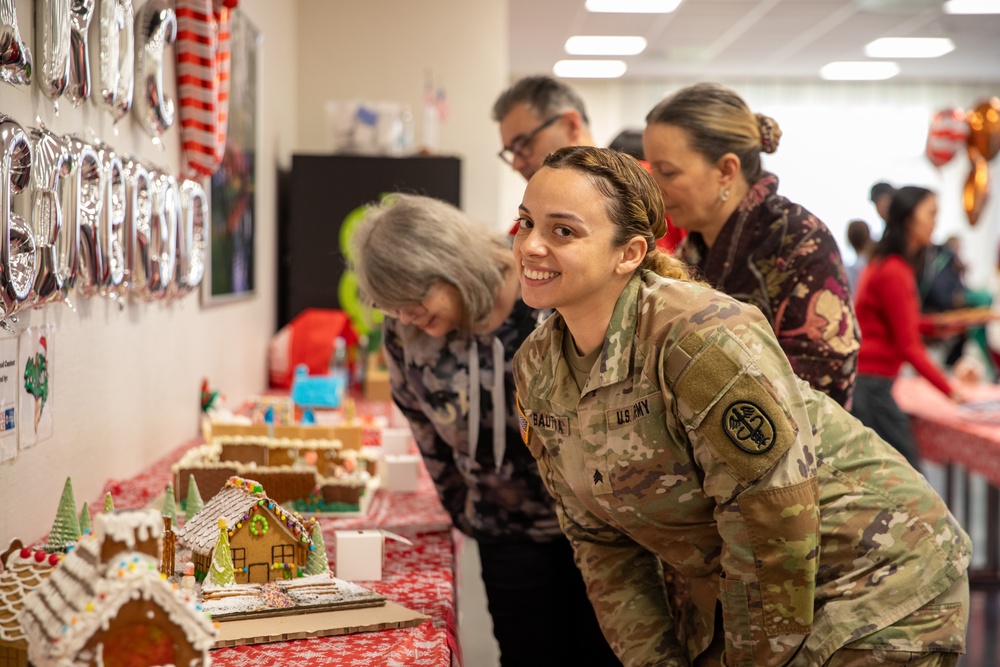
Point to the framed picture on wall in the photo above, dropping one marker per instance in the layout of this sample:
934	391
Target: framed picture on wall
231	259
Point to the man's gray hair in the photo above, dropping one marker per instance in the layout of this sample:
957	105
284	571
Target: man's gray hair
544	95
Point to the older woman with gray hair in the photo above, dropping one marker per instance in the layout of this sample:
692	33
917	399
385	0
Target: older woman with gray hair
454	318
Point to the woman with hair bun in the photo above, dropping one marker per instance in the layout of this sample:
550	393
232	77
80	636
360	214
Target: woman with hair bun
703	144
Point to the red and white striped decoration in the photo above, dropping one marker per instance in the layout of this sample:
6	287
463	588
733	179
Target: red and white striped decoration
203	57
949	131
223	17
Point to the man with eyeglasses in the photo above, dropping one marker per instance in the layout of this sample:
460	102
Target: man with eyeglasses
540	114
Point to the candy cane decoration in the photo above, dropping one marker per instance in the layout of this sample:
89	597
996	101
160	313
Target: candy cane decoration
203	56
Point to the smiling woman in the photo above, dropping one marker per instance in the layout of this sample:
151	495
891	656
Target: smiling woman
455	320
672	430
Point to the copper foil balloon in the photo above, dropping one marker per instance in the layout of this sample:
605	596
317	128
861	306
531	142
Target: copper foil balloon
136	230
977	187
17	243
15	56
192	235
51	165
83	208
117	57
155	30
80	15
984	128
52	42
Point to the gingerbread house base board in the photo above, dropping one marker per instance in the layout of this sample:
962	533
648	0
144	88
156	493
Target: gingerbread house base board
322	624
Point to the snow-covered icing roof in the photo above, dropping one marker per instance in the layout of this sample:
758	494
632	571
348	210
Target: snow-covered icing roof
201	532
24	570
83	595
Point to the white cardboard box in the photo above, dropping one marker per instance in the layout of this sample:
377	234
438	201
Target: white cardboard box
400	472
396	440
359	554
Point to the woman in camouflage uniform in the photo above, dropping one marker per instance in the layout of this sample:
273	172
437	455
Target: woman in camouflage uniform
671	428
455	320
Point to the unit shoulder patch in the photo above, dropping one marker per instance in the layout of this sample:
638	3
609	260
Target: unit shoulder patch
749	427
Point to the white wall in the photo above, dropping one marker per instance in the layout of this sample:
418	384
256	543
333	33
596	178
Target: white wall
384	50
124	383
838	139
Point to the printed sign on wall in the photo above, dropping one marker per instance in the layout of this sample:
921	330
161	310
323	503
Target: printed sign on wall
35	385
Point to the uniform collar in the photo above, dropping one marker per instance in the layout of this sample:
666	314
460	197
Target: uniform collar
616	361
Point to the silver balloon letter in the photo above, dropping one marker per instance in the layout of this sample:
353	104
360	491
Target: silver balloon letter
111	228
117	57
138	213
155	30
191	236
52	46
86	197
17	243
52	163
81	13
15	57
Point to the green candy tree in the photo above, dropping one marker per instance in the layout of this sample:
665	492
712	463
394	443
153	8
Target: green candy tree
222	572
170	505
193	503
66	528
84	519
109	503
317	562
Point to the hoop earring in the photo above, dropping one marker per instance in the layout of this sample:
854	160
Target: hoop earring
724	194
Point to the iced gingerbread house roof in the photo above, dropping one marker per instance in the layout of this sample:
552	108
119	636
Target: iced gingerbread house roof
24	570
233	503
108	569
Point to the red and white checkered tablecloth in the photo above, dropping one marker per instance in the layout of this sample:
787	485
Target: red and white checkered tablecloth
419	577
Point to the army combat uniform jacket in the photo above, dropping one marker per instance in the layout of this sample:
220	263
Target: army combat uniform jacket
457	393
694	443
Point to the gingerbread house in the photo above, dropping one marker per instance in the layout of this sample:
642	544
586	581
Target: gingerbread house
24	570
267	542
106	603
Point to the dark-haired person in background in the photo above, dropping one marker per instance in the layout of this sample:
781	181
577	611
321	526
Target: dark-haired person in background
888	308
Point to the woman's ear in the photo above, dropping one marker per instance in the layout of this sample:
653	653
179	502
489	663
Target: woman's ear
729	167
632	255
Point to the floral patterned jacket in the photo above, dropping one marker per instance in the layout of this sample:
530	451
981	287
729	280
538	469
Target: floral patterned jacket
486	478
776	255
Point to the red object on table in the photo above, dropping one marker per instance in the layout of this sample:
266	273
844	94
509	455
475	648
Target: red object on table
421	577
307	339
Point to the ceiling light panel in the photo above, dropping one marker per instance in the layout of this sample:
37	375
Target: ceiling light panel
909	47
589	69
605	45
633	6
863	70
972	7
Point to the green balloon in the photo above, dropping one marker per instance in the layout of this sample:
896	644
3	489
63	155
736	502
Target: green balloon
364	319
347	227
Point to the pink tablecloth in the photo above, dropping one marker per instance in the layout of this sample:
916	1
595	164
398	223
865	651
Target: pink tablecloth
944	434
421	578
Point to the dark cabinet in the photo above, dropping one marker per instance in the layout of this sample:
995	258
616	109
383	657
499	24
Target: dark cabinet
321	191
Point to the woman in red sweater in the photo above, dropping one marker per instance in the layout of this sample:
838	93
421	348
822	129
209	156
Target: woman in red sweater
888	310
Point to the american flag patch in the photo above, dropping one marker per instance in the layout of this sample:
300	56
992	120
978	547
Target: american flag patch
522	421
